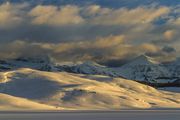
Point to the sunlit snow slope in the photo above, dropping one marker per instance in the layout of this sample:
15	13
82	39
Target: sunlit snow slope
8	102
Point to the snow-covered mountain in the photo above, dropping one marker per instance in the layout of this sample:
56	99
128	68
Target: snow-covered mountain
38	62
88	67
143	69
174	67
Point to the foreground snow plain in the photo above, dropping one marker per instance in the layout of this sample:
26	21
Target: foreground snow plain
29	89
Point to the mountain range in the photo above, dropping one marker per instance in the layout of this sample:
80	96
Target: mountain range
143	69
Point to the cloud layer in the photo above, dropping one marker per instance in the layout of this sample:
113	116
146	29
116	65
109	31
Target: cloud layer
88	32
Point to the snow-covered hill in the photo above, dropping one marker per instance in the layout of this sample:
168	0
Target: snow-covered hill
79	92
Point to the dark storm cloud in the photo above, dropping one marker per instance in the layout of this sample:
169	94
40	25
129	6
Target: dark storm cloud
168	49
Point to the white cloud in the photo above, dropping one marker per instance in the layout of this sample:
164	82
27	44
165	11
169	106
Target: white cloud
11	15
124	16
170	34
53	15
95	10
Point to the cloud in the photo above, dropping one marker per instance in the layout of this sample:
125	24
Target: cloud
95	10
90	32
11	15
169	34
71	14
86	48
116	49
124	16
20	48
177	21
168	49
53	15
99	49
164	54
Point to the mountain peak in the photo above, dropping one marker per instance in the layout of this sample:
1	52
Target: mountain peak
144	60
91	63
143	57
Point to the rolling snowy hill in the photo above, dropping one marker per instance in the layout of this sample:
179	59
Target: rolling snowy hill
78	92
8	103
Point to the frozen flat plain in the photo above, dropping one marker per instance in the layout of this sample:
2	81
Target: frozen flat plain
94	115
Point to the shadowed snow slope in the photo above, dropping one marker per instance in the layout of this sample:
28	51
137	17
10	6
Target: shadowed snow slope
72	91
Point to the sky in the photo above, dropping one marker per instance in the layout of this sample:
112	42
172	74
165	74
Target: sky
95	31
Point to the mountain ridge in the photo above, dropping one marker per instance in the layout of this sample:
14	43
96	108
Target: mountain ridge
143	69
